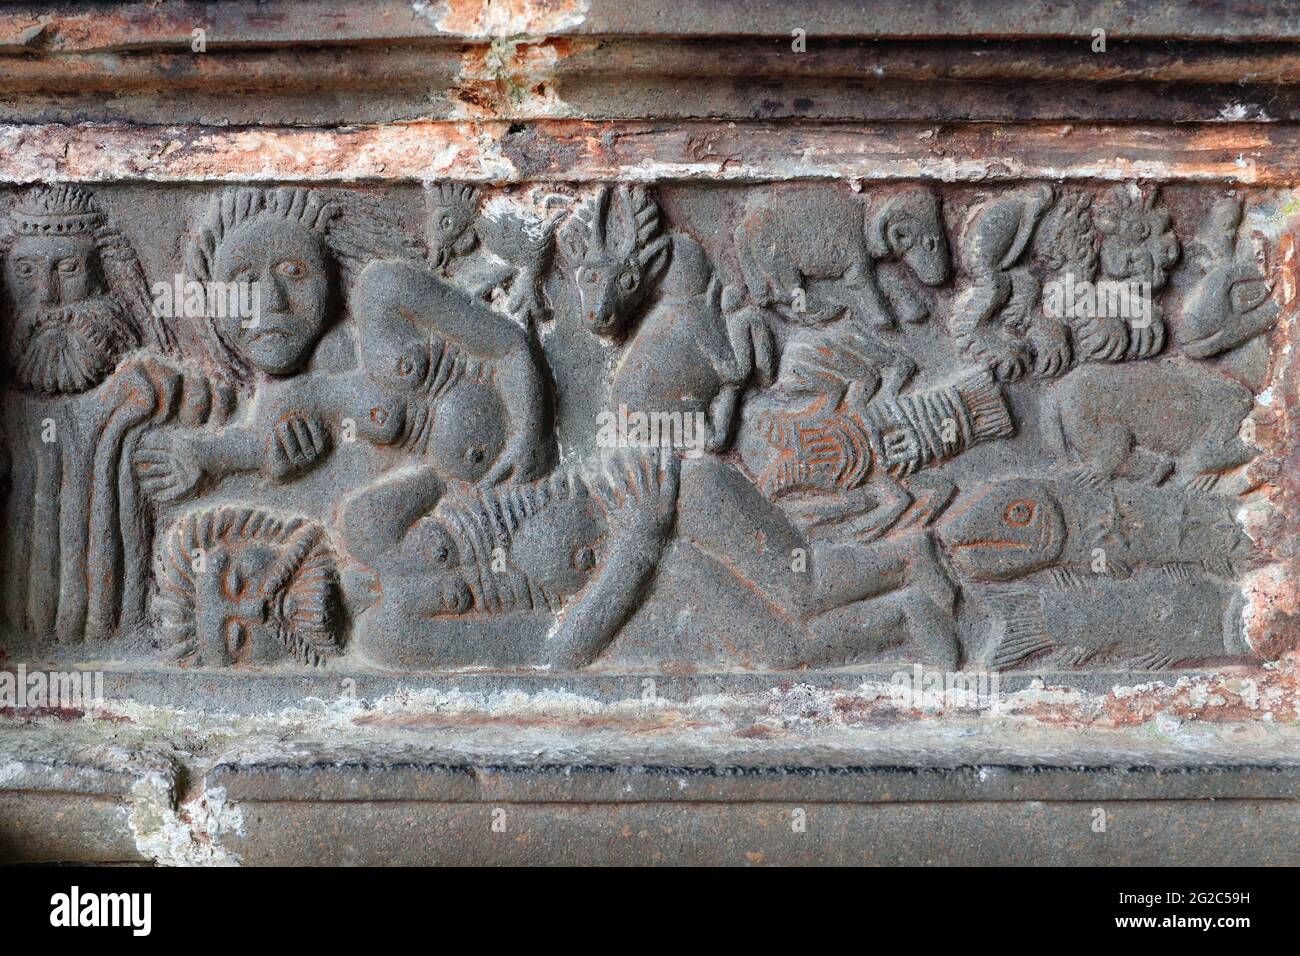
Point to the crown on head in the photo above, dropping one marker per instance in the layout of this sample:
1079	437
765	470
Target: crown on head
56	211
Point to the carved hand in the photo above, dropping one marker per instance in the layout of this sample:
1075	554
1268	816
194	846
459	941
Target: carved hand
1051	347
1103	338
167	466
900	451
640	492
1147	340
297	442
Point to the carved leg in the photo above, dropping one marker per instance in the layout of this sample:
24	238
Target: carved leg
756	280
1109	448
525	302
907	626
1146	466
726	517
902	301
1220	451
868	305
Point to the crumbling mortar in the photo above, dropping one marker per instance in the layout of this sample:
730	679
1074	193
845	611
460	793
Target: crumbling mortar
176	819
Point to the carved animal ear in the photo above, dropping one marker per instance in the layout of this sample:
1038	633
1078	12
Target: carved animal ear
876	228
573	240
1216	240
900	235
654	257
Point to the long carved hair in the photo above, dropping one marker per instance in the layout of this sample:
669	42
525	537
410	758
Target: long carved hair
353	232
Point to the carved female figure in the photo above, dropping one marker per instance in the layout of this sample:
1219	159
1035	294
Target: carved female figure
289	252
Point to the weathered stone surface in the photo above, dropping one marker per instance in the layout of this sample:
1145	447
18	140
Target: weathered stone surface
597	393
807	427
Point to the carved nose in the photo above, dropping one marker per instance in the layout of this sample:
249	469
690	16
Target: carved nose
274	298
46	293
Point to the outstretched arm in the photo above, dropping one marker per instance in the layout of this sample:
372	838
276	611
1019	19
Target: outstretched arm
641	493
376	519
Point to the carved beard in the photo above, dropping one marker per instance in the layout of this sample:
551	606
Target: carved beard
70	349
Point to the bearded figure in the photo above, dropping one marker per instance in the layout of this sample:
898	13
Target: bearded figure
80	385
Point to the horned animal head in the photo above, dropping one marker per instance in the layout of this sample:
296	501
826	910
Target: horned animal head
619	253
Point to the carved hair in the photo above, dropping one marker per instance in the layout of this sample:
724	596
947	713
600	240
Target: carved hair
301	586
489	519
1130	217
454	194
353	231
64	210
1066	239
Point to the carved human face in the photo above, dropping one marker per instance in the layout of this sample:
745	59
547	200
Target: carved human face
68	329
42	272
234	615
291	274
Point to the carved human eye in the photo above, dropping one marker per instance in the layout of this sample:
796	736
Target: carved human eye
444	555
69	266
627	281
25	269
446	222
378	415
930	243
1019	513
291	268
474	454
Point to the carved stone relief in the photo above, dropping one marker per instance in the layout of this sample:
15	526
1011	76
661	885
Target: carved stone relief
624	426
